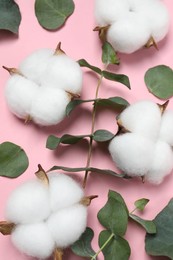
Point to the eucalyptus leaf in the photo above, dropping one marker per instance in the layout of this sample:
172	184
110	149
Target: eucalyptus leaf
118	103
82	247
117	196
102	136
116	249
74	103
84	63
10	16
159	81
148	225
109	55
52	14
13	160
121	78
114	216
53	142
141	203
161	244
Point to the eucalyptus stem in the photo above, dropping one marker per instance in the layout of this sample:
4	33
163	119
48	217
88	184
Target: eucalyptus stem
103	246
92	131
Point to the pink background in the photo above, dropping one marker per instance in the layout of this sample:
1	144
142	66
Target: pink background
79	41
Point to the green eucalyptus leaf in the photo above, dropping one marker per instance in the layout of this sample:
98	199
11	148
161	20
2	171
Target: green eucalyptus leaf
84	63
13	160
82	247
161	244
90	169
116	249
10	16
141	203
109	55
52	14
74	103
117	196
118	103
102	136
53	142
114	216
159	81
121	78
148	225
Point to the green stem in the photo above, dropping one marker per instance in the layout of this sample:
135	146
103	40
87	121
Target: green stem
103	246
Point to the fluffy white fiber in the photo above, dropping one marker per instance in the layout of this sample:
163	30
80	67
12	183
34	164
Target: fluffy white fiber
46	216
132	22
147	150
48	82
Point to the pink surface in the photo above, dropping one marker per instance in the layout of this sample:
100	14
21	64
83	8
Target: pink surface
79	41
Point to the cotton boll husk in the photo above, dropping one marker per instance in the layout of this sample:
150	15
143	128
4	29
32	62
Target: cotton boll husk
19	93
109	11
34	240
162	163
143	117
166	129
132	153
49	106
64	191
63	72
67	225
28	203
129	33
33	67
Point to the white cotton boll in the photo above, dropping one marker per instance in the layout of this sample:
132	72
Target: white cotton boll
64	191
28	203
67	225
109	11
132	153
162	163
143	117
49	106
19	93
138	5
33	67
34	240
63	72
129	33
166	129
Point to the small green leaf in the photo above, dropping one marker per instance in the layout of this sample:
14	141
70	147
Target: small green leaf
102	136
74	103
53	142
161	244
159	81
84	63
141	203
82	247
10	16
117	248
13	160
109	55
121	78
149	225
114	216
118	103
52	14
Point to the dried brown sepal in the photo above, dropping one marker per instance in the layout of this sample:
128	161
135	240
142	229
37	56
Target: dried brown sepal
121	129
86	201
41	175
143	179
102	32
28	119
6	227
58	254
58	50
73	95
13	71
163	107
151	43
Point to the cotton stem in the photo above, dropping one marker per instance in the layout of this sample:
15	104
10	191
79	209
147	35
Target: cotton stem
103	246
58	254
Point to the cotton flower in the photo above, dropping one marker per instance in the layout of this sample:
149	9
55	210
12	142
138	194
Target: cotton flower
46	214
42	87
132	24
144	146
